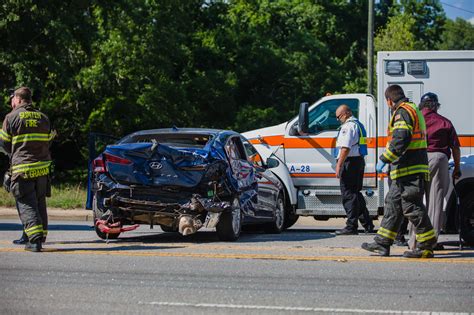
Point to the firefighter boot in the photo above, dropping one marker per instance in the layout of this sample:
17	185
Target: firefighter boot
22	240
34	246
419	253
377	248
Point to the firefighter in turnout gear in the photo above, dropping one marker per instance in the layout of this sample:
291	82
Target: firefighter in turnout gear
406	152
25	136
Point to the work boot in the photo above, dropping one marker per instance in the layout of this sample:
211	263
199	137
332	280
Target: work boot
34	246
377	248
22	240
369	229
401	241
419	253
347	231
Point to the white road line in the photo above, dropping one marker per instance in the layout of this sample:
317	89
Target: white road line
291	308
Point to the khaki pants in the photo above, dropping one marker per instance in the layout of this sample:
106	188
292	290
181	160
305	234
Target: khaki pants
435	191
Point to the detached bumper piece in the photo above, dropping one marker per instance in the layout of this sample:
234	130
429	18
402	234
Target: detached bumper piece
114	228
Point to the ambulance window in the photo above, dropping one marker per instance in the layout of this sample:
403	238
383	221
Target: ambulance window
323	116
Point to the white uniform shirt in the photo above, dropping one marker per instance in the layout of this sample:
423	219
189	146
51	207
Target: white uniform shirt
348	137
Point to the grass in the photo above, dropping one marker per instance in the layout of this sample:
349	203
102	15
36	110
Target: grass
64	196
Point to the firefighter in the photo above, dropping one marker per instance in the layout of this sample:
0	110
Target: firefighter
351	148
406	152
25	136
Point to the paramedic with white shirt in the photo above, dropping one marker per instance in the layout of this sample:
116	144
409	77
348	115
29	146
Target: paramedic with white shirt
351	147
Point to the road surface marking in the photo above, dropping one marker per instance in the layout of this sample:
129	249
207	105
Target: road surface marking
292	308
125	252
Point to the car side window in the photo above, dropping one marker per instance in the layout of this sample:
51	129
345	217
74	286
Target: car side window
252	155
235	149
323	116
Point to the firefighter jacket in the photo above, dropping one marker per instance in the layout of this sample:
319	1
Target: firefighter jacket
26	135
406	146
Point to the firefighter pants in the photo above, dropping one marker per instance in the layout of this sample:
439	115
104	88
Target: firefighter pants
30	196
405	199
352	177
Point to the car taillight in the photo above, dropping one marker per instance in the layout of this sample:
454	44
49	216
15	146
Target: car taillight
98	165
116	159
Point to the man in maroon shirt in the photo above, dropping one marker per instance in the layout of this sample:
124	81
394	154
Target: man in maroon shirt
442	140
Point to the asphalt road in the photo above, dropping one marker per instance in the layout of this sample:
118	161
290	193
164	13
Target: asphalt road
304	270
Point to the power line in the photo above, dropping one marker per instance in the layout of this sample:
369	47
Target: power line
452	6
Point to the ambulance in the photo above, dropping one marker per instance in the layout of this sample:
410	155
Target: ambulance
305	144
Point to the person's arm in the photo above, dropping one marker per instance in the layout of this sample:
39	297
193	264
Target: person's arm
5	138
401	137
457	162
340	161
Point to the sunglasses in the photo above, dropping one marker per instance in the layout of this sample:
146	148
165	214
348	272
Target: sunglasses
339	117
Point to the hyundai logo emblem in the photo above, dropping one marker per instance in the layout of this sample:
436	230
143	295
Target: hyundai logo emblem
156	165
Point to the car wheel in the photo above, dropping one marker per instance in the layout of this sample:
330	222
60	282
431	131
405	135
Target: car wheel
467	219
98	213
230	223
169	229
278	225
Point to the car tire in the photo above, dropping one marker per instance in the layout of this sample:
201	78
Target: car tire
230	223
98	213
467	218
278	225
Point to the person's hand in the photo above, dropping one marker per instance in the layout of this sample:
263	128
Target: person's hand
380	166
457	173
338	171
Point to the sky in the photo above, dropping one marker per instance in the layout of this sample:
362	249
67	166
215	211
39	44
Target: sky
465	11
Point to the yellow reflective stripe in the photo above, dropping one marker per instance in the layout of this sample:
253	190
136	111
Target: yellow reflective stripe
387	233
417	144
425	236
5	136
405	171
389	155
29	165
45	232
34	230
402	125
32	137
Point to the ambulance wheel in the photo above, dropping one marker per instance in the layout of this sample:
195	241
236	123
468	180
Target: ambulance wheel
467	219
290	217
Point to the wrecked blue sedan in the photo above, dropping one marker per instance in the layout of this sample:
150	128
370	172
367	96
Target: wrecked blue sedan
184	180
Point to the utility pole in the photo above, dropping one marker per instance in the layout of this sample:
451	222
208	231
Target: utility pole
370	49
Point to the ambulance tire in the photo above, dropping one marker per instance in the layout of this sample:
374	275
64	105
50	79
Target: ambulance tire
467	219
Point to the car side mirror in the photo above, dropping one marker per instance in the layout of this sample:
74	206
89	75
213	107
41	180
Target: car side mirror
303	119
272	162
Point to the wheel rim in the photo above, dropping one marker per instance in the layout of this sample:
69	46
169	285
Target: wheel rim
236	216
279	213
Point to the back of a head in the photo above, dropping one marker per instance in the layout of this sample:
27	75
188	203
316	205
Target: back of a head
429	100
23	93
394	93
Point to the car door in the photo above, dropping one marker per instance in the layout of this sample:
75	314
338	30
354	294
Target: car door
244	174
310	158
267	191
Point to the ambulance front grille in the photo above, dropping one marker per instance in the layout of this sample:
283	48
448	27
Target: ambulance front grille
327	201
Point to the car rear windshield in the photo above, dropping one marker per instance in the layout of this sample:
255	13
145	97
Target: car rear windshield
174	140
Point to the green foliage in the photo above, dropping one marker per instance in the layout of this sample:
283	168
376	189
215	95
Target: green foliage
458	35
397	35
120	66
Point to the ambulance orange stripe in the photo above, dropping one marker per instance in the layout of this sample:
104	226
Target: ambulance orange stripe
327	175
328	143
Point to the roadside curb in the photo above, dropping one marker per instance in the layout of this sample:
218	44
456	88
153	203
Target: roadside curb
53	214
86	215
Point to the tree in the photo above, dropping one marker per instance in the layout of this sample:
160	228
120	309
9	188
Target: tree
398	35
458	35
